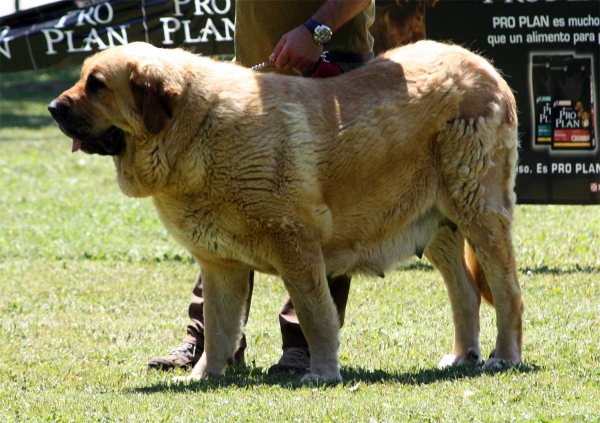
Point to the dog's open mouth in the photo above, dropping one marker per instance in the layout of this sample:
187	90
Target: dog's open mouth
109	143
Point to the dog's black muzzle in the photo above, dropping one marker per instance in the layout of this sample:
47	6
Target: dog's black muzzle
110	142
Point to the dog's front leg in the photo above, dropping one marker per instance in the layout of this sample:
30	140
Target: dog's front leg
306	282
225	291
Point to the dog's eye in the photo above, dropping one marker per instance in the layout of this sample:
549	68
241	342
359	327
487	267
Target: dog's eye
93	84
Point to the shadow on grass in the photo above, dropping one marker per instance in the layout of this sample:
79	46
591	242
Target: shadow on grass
541	270
246	377
13	120
545	270
34	90
26	102
422	265
426	376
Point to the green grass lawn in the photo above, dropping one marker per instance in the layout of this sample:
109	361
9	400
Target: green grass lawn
92	286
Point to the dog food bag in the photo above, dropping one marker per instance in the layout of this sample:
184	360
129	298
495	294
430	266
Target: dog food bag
541	79
572	103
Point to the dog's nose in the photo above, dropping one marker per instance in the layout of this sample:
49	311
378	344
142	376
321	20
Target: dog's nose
57	108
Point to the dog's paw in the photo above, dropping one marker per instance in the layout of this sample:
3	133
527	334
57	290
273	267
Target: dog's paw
448	360
471	358
313	377
494	364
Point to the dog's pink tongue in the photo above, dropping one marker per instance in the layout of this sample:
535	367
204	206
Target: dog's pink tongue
76	146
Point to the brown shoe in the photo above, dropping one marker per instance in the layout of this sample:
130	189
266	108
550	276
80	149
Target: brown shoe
184	355
293	360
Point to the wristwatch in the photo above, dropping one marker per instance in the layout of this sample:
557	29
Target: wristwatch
321	33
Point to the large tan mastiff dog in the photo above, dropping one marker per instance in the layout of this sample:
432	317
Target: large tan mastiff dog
304	178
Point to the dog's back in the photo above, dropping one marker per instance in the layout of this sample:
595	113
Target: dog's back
409	141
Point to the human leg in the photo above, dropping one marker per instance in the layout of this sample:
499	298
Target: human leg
191	348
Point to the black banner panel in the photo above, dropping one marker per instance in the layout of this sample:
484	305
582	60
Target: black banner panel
548	50
66	32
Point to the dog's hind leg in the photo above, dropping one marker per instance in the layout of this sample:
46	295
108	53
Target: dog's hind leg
445	252
490	236
482	206
478	159
225	291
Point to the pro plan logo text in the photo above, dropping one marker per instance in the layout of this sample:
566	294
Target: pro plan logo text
216	25
100	17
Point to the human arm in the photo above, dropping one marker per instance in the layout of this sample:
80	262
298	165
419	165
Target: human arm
297	48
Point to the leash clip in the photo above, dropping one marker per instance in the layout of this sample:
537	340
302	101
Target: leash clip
262	65
268	63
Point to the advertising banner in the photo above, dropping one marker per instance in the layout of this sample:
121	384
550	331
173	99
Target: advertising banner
66	32
548	50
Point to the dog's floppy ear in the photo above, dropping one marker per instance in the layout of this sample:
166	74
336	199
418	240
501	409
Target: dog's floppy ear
154	100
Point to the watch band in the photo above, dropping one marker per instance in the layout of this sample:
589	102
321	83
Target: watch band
311	24
321	33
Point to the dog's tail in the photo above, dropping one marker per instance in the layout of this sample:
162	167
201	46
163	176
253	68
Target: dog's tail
479	276
477	273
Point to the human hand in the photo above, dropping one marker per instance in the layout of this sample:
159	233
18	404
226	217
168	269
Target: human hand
297	50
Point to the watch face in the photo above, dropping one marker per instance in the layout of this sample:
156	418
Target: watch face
322	34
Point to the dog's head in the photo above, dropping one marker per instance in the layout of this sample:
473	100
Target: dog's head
122	100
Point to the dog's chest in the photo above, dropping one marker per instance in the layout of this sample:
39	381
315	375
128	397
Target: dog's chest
213	232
